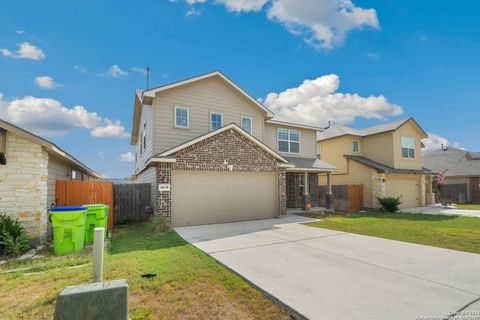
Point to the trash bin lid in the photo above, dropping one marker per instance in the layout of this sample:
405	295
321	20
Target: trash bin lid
68	208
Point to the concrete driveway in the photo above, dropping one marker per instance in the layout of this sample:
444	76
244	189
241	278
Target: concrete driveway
448	212
325	274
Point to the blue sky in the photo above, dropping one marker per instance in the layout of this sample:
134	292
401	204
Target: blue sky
421	56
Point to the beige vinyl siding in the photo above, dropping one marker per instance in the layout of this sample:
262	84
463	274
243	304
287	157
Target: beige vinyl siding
460	180
57	170
380	148
147	118
334	150
149	175
409	129
307	140
201	98
357	174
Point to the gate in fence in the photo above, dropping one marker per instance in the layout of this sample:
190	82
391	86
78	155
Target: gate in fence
131	202
346	198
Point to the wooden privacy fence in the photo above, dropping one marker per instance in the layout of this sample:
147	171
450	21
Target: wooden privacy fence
131	201
453	193
346	198
77	193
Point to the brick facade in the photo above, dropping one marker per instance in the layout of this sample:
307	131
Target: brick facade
23	185
475	189
226	151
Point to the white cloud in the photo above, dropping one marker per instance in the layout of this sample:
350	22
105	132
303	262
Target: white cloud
45	116
80	69
434	142
116	72
323	24
373	55
127	157
25	51
46	82
317	101
20	31
110	129
138	70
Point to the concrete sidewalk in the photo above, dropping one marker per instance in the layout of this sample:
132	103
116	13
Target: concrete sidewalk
325	274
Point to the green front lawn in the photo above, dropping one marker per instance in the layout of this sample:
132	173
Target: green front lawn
468	206
189	284
452	232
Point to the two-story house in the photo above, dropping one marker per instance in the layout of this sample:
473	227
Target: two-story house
385	159
214	154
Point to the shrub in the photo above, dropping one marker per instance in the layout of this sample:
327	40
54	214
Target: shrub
13	238
390	204
161	224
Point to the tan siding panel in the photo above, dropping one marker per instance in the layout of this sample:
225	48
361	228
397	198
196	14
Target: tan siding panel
409	129
57	170
147	118
201	98
379	148
307	140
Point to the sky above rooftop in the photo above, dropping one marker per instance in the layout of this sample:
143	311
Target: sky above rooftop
69	69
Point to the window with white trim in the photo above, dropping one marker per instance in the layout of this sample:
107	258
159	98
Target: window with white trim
216	120
246	124
181	117
355	146
408	147
288	140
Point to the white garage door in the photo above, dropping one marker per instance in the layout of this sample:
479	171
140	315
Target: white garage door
203	197
406	187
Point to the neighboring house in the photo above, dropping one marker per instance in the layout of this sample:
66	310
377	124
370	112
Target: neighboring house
28	174
461	167
385	159
215	154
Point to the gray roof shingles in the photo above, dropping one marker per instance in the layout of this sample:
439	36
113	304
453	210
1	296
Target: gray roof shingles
383	168
310	163
452	161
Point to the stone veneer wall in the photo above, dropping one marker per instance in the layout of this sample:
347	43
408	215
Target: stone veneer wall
23	185
378	188
210	154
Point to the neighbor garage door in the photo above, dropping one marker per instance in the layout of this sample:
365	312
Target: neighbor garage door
404	186
203	197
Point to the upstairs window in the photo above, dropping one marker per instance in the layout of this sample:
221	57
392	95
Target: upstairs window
288	140
181	117
246	124
355	146
216	120
408	147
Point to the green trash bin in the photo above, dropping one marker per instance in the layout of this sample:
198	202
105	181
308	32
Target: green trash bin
97	217
68	225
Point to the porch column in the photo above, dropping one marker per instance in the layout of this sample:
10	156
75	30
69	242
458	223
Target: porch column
306	192
328	200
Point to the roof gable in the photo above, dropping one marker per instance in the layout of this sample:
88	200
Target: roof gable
147	96
232	126
336	131
49	146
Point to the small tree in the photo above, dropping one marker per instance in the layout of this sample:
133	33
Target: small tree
390	204
437	181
